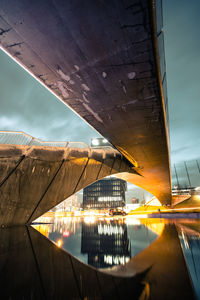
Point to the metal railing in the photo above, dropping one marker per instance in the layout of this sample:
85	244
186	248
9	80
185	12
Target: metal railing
186	175
21	138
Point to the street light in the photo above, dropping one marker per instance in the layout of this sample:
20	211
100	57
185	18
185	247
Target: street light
100	142
95	142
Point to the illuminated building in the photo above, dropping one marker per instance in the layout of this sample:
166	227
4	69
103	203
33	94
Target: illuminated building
105	193
106	244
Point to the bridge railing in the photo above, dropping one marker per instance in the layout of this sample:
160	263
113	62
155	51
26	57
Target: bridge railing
21	138
15	137
77	145
186	175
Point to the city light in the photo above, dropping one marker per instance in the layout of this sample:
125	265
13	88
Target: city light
116	260
132	221
89	220
66	233
140	216
59	243
110	198
95	142
110	230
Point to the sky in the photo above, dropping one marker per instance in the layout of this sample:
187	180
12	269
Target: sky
182	48
25	105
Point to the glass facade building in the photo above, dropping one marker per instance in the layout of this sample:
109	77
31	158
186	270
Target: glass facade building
104	194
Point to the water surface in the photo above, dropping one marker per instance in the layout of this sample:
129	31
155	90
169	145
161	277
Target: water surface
102	242
101	258
108	242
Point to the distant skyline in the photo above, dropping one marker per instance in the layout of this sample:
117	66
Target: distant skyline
27	106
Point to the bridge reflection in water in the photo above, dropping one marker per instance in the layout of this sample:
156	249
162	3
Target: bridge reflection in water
32	267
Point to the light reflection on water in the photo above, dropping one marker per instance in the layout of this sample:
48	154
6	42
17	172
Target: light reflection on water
32	267
106	242
101	242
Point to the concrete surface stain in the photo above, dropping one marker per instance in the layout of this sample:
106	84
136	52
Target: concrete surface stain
63	75
95	115
85	87
63	89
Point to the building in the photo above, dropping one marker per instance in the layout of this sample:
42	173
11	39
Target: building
106	244
68	204
104	194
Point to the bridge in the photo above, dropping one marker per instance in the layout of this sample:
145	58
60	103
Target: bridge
106	61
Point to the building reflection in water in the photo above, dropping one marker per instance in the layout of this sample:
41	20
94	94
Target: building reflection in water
101	242
106	244
32	267
64	226
151	247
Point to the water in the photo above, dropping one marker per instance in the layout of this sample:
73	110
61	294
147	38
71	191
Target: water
101	258
189	234
108	242
101	242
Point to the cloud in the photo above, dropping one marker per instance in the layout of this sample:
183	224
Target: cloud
6	122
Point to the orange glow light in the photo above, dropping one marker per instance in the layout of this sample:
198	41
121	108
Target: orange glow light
59	243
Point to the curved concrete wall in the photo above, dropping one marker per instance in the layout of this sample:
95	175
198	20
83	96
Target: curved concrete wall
34	179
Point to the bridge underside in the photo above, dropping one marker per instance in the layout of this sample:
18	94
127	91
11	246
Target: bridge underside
34	179
104	59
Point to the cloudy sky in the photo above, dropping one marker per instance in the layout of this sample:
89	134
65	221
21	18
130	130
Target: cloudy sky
27	106
182	48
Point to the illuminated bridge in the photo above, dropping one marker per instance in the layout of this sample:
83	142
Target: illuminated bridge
104	59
